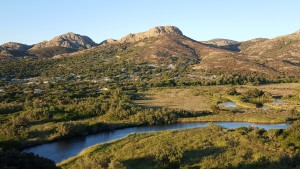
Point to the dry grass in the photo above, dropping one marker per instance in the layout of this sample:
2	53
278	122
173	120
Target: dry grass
247	116
275	89
184	98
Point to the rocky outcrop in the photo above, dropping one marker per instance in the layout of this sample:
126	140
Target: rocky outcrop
224	44
3	51
153	32
68	40
220	42
13	46
108	41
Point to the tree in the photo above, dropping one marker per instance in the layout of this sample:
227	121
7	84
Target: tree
231	91
215	108
253	93
167	155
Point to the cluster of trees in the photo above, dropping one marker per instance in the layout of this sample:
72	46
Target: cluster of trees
158	116
256	96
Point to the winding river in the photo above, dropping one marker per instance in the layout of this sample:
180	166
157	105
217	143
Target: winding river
61	150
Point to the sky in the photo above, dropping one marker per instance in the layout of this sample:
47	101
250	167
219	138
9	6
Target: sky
32	21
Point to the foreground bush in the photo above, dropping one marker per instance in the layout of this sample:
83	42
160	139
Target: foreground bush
16	160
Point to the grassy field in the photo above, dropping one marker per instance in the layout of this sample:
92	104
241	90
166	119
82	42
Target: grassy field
200	99
279	89
210	147
246	116
185	98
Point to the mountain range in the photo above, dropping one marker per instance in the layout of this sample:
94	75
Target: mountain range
165	45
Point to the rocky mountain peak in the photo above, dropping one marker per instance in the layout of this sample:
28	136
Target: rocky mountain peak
153	32
68	40
15	46
164	30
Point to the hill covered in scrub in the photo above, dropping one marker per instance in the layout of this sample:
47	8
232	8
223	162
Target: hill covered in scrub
167	46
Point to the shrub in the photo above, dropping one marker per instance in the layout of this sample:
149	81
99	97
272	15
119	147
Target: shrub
215	108
97	162
71	129
231	91
252	93
167	156
255	96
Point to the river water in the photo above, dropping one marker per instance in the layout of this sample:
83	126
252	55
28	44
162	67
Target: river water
61	150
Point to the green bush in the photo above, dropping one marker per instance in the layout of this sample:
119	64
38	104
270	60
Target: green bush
71	129
215	108
231	91
167	155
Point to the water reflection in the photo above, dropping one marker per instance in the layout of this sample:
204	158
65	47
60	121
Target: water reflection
229	104
277	101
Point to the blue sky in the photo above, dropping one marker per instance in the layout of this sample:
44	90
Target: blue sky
32	21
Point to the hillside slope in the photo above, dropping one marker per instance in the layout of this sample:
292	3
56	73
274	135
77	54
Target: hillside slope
167	46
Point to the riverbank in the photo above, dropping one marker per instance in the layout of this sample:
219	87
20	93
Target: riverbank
208	147
25	144
58	151
263	117
111	127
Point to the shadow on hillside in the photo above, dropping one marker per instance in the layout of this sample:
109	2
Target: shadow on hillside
195	156
233	47
145	163
189	157
144	106
41	133
263	163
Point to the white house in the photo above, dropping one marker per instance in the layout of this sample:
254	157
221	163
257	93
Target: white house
38	91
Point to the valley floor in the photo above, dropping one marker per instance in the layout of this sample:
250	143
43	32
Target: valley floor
161	105
202	98
53	116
